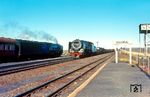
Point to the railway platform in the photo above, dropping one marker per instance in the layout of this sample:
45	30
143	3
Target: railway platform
118	80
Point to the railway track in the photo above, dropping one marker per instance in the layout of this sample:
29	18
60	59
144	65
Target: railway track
22	66
47	89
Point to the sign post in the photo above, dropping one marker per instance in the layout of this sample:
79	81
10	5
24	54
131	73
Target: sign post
145	29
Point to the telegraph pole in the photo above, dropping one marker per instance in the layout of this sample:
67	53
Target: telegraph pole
97	43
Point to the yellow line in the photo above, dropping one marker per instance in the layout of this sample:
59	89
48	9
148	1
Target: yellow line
83	85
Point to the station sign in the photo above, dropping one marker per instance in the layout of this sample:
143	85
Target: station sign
144	28
122	43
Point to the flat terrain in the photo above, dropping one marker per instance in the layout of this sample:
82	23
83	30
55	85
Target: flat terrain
16	83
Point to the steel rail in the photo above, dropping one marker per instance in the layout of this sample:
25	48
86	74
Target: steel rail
55	93
22	66
31	91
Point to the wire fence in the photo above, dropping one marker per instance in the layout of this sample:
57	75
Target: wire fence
137	59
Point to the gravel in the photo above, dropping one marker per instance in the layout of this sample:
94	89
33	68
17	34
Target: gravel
16	83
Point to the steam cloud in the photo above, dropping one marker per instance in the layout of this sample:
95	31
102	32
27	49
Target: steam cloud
22	32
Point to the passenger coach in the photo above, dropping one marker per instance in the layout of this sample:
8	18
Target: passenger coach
20	49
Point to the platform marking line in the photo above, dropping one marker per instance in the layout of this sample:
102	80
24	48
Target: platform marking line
84	84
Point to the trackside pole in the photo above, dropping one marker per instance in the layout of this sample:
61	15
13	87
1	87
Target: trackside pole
148	66
116	55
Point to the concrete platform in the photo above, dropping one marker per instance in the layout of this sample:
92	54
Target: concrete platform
115	81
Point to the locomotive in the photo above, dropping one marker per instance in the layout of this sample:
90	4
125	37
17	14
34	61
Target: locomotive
81	48
20	49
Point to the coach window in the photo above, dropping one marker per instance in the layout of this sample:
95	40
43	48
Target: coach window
1	47
11	47
6	47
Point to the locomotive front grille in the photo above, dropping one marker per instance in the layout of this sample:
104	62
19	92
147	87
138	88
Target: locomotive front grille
76	45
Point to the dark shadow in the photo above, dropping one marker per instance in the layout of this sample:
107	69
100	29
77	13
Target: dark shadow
144	72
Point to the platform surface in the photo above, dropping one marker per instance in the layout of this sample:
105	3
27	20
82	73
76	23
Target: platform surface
118	80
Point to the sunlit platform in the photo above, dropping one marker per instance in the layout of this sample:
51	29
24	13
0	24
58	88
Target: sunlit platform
118	80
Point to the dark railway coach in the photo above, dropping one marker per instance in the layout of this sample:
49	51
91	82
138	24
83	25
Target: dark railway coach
8	48
16	48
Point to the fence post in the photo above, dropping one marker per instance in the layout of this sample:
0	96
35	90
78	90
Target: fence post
137	61
116	54
143	62
148	66
130	56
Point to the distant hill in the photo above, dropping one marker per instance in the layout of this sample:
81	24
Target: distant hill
138	49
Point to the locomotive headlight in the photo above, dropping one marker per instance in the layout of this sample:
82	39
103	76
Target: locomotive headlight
71	51
81	50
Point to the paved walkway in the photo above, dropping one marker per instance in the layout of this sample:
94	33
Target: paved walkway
115	81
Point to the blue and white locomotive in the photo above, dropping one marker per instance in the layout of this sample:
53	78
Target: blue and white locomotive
81	48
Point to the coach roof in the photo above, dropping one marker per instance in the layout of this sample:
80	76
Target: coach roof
7	40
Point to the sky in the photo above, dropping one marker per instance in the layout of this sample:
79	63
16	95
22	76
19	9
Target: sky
103	21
